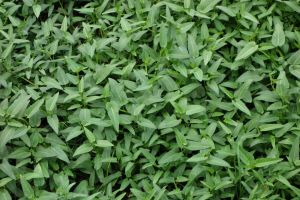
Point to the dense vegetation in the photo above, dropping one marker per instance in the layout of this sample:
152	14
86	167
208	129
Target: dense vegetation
149	99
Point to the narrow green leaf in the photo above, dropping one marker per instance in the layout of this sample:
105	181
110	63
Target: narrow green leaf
19	105
192	46
53	122
34	108
168	83
241	106
198	73
84	148
194	109
27	189
51	102
207	56
90	135
278	37
294	152
146	123
270	127
163	36
60	153
113	113
7	51
227	10
217	161
295	58
225	128
125	24
247	51
197	158
170	157
263	162
288	184
103	72
104	143
293	5
169	123
180	138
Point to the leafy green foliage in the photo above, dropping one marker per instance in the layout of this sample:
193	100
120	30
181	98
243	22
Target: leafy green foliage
145	99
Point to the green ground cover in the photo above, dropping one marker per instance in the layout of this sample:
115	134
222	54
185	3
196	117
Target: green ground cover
149	99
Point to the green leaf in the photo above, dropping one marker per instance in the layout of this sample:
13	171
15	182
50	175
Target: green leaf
241	106
34	108
4	181
245	156
74	132
288	184
270	127
250	17
9	133
51	102
27	189
112	109
51	83
293	5
217	161
170	157
225	128
169	122
103	72
37	10
278	37
198	73
4	194
194	109
207	5
117	92
295	58
192	46
138	109
180	138
7	51
168	83
263	162
146	123
84	116
197	158
81	85
229	11
207	56
90	135
103	143
53	122
163	36
84	148
125	24
7	169
246	51
19	105
294	152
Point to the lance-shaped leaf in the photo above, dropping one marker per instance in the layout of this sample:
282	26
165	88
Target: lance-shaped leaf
51	102
246	51
19	105
112	109
241	106
169	122
278	37
34	108
53	122
295	58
